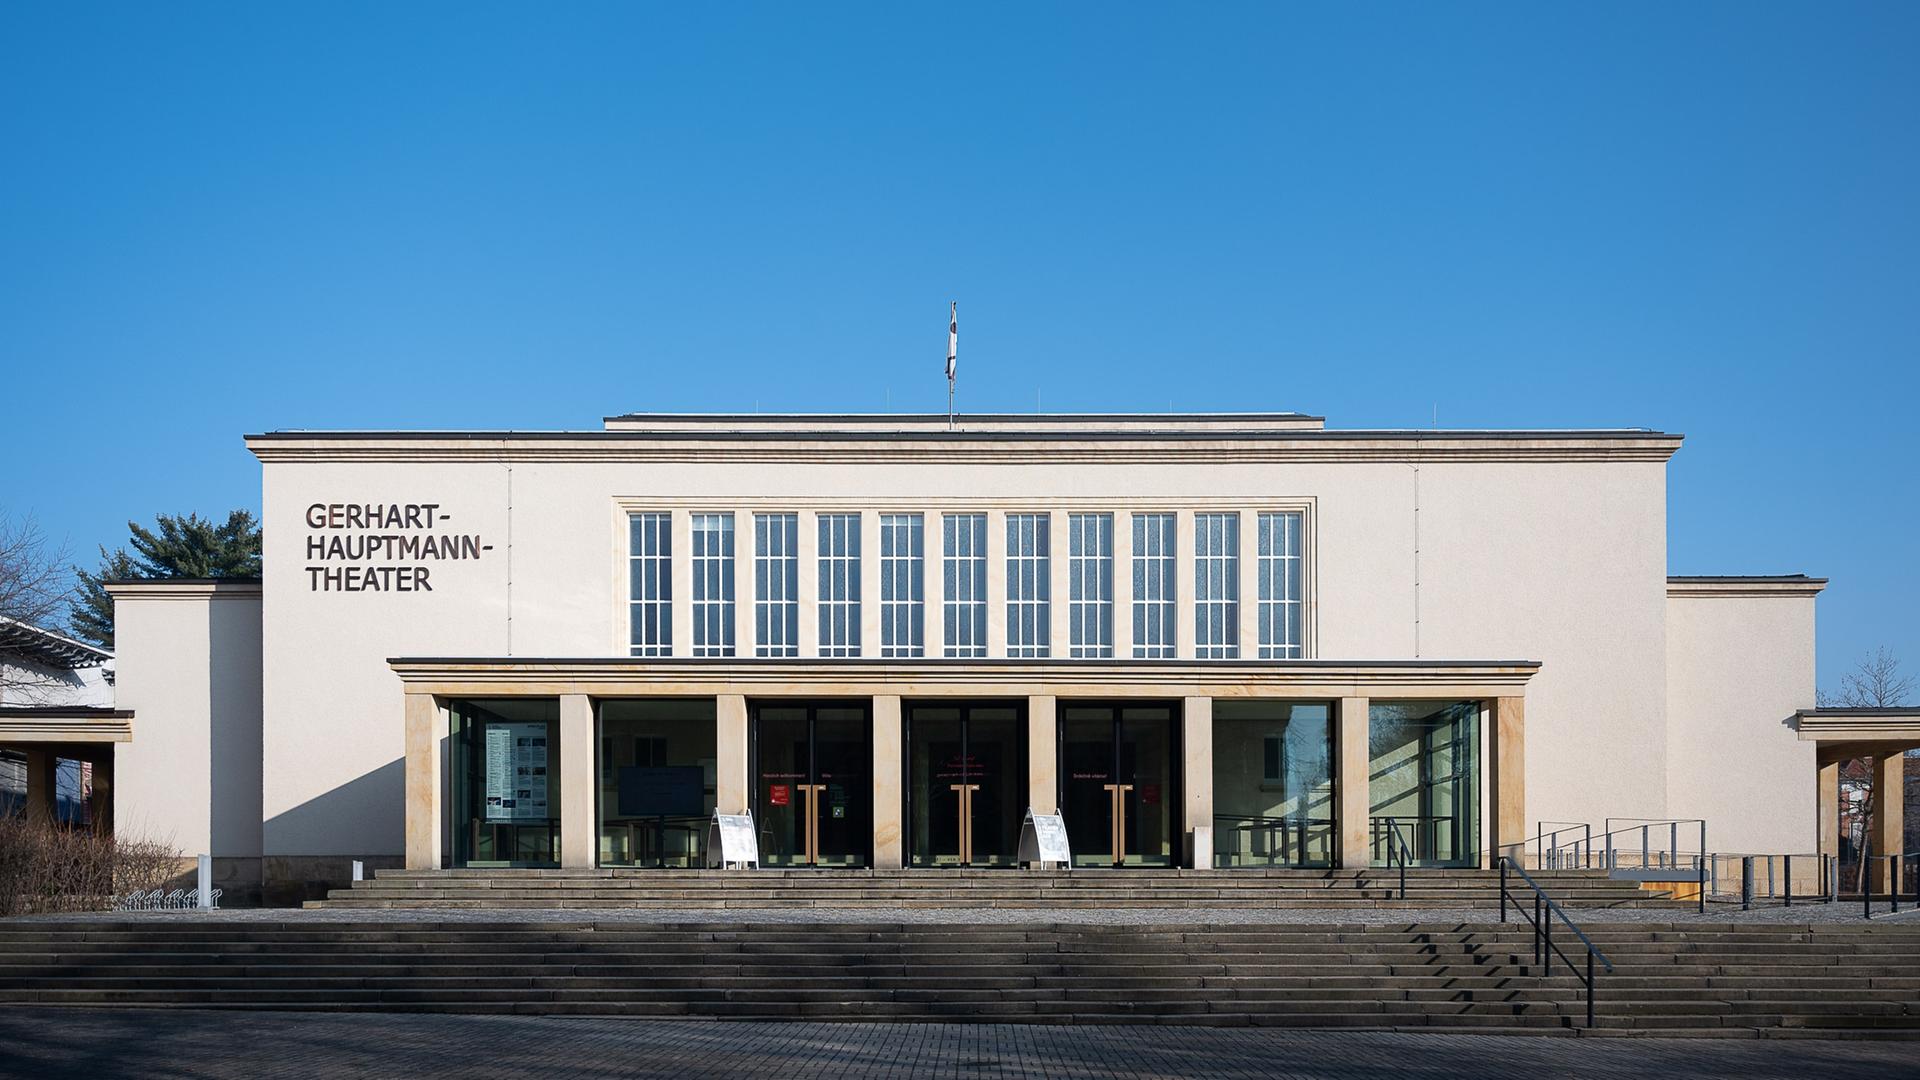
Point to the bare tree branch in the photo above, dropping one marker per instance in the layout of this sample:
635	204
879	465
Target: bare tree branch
36	583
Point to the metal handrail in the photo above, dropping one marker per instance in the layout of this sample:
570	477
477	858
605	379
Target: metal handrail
1294	832
1582	847
1894	862
1544	949
1643	827
1397	845
1547	845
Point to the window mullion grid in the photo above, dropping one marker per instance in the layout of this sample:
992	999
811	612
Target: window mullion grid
650	584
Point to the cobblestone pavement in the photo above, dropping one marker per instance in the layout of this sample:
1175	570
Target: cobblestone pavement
100	1043
1722	914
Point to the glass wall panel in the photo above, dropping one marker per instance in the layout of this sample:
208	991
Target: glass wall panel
1425	779
656	769
813	784
1119	782
981	748
1273	783
505	797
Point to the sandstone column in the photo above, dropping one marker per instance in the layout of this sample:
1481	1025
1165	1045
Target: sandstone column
423	825
889	848
1196	779
1354	796
579	783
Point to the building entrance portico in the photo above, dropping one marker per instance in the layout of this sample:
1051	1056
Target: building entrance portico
862	764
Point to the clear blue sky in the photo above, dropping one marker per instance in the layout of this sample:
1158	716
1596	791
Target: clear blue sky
1699	218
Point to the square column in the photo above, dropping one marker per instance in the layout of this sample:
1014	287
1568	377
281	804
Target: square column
1507	832
889	848
1043	744
1196	778
1829	797
1352	789
579	832
424	824
732	786
43	770
1889	817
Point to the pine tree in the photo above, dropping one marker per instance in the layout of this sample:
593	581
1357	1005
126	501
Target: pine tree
179	547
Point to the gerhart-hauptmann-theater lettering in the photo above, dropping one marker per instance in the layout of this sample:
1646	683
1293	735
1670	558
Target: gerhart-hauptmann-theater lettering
336	541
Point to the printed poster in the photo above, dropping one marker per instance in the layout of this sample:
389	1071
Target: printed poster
516	772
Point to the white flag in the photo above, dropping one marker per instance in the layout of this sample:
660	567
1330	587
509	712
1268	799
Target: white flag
953	338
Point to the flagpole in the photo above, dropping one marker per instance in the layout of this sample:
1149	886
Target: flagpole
953	352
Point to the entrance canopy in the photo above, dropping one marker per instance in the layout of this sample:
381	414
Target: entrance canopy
1882	735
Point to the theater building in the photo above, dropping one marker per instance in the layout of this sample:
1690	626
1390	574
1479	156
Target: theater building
1205	640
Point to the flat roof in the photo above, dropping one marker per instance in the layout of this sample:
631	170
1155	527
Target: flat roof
963	435
1747	585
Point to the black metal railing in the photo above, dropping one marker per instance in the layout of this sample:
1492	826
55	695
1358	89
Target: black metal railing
1542	916
1288	841
1895	864
1769	878
1399	851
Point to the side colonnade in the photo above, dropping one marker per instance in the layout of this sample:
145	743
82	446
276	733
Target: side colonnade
1372	747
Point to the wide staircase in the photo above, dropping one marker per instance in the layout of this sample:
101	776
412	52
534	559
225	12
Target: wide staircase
1667	979
856	889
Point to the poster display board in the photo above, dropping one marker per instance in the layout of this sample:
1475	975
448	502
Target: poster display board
731	841
516	772
1043	839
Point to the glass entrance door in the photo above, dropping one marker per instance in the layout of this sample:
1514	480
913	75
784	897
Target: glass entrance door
813	785
1118	783
967	782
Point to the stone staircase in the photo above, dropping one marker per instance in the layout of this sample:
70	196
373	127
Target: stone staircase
856	889
1698	978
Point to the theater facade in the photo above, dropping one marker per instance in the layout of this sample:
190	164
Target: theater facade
1236	640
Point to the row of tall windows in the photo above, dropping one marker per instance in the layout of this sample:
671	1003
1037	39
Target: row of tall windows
1029	599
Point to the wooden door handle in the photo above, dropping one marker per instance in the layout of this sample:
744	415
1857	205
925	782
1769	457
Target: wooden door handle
812	832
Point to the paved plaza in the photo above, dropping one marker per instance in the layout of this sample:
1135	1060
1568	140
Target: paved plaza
96	1043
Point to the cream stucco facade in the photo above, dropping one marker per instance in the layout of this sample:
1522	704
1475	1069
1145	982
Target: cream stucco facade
1422	554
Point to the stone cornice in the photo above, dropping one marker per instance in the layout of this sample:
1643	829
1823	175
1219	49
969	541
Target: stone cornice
1858	725
57	725
626	677
1778	585
962	447
185	589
